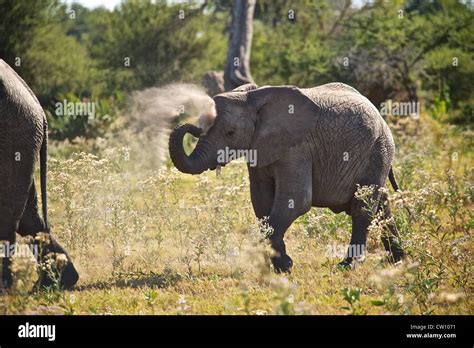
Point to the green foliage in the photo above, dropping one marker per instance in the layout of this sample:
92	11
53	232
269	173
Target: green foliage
279	59
441	105
352	297
35	44
159	45
56	64
398	49
405	50
79	54
18	21
291	51
97	124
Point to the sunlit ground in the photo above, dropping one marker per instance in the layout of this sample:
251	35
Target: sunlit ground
162	242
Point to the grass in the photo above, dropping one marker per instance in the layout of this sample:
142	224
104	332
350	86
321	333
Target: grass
160	242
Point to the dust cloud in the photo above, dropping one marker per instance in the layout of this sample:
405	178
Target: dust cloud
152	112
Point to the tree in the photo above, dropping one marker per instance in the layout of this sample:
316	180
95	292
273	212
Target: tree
18	22
392	48
291	42
237	66
33	42
143	44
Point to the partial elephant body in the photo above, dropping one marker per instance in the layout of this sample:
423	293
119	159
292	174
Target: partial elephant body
351	144
314	146
23	136
20	143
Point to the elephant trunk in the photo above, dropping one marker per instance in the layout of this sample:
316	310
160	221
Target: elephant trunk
197	161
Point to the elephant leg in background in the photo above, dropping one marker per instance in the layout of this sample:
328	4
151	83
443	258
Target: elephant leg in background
30	225
361	218
13	195
8	224
292	199
7	238
262	192
390	238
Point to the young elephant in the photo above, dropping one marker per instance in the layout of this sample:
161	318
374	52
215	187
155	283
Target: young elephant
313	147
23	134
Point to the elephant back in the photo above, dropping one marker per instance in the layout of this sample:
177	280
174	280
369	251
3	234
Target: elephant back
18	104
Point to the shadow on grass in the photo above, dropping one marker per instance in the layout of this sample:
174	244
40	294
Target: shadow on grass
136	280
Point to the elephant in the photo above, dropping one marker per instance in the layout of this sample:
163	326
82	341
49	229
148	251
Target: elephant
24	136
314	146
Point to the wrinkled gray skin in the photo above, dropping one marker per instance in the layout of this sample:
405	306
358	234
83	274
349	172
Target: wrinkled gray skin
316	156
23	135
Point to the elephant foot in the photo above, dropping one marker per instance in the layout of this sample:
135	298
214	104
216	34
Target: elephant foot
396	256
6	280
6	284
68	277
350	263
282	263
394	250
345	264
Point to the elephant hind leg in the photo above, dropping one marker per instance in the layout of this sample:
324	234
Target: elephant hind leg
7	242
360	223
66	276
9	216
362	212
390	237
31	224
361	218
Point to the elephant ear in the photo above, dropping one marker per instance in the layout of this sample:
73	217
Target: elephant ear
285	116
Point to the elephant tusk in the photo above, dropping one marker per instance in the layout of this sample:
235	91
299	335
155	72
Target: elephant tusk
218	171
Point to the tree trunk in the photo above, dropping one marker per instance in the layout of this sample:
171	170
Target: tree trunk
237	67
213	81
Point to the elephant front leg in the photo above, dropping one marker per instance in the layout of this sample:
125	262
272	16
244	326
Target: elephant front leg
262	192
281	261
292	199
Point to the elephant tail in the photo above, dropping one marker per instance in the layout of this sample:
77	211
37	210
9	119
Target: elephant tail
394	183
43	174
395	186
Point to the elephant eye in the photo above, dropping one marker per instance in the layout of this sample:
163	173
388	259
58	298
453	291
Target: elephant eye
230	133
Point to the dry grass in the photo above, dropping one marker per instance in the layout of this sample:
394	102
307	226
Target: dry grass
161	242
